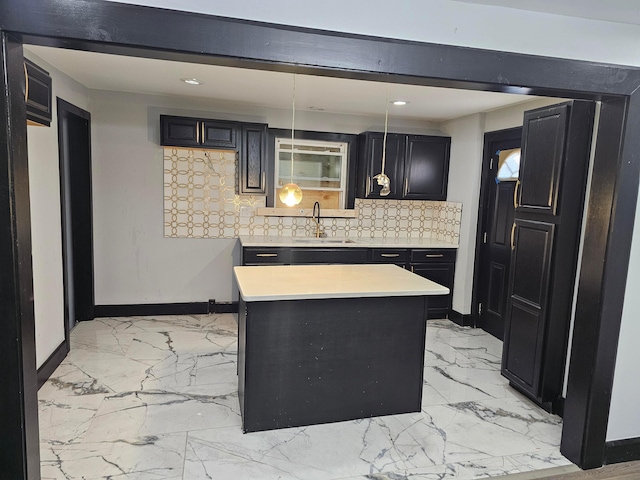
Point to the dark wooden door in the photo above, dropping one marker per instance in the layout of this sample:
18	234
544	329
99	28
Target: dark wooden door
74	141
495	251
426	167
545	240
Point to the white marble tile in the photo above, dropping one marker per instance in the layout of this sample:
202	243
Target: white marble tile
156	398
150	457
487	467
467	382
153	412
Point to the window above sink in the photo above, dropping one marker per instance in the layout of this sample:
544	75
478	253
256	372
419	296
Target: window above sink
319	168
324	166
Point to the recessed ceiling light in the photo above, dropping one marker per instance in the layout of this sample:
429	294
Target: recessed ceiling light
399	102
191	81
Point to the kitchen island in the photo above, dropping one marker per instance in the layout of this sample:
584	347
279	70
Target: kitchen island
326	343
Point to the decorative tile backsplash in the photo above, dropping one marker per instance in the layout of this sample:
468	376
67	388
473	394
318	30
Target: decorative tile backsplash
200	201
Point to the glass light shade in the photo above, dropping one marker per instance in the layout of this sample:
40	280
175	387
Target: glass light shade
290	194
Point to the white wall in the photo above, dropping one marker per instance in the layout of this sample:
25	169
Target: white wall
454	23
46	237
624	416
133	262
465	170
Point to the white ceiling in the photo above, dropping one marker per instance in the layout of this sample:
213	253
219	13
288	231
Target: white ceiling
269	89
620	11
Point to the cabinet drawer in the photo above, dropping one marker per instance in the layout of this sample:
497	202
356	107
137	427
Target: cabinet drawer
433	255
265	255
389	255
301	256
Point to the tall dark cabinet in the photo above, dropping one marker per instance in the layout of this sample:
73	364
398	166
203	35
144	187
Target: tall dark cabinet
545	237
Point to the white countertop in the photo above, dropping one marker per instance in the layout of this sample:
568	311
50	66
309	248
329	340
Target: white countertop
302	282
274	241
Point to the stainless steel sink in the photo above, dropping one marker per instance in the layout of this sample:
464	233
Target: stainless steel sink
323	240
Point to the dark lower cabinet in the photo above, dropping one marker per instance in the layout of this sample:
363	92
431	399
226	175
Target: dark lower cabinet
437	265
544	248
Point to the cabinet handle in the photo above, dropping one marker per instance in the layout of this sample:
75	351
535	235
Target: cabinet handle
513	231
263	185
197	133
434	255
389	255
368	189
202	132
515	194
406	186
26	82
412	269
266	255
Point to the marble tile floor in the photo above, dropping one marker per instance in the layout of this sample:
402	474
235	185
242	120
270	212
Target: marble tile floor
149	398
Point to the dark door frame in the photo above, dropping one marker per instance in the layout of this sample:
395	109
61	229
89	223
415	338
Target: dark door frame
490	138
141	31
74	232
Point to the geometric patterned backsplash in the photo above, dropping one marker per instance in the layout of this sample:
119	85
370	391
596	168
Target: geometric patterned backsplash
200	201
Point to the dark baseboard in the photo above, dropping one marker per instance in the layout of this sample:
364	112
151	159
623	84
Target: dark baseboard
619	451
462	319
135	310
140	310
558	406
55	359
227	307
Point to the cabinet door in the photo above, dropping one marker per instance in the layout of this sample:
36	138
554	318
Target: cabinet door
438	306
179	131
265	256
370	160
253	152
329	255
527	303
38	94
543	145
219	134
426	168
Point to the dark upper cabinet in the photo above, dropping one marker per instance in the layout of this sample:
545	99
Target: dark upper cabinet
417	166
541	162
179	131
249	140
426	168
37	94
252	168
198	132
370	164
544	242
219	134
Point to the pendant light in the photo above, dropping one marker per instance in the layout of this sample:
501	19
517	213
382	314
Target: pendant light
381	178
291	194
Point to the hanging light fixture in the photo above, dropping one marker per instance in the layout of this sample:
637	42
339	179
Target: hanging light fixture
291	194
382	178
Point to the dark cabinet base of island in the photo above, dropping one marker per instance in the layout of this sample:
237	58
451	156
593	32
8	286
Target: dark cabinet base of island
306	362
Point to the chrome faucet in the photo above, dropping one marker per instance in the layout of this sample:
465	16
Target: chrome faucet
316	218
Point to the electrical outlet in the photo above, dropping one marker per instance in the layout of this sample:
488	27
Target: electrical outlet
245	212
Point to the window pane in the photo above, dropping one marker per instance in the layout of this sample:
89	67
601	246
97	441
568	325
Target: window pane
508	165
